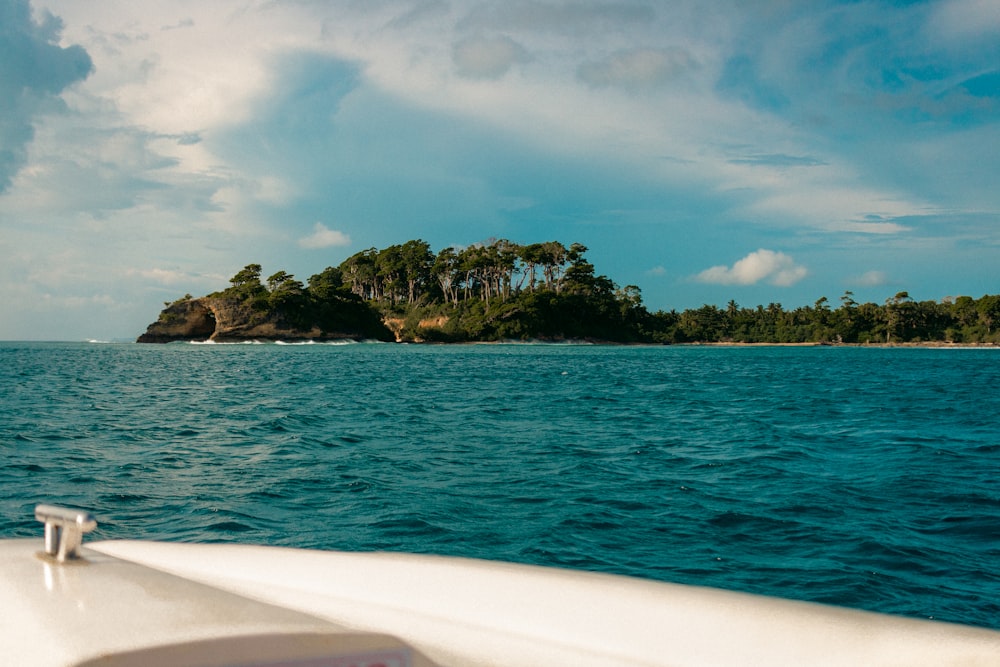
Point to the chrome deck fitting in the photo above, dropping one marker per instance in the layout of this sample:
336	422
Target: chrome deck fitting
64	529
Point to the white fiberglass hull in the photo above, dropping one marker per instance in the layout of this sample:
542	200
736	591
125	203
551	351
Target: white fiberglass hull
130	595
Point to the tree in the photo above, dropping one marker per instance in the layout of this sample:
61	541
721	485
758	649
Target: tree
469	264
579	276
507	254
246	286
964	312
988	309
287	294
326	285
871	322
359	271
532	255
704	324
552	257
446	270
897	315
498	288
249	276
844	321
633	314
416	260
277	280
389	270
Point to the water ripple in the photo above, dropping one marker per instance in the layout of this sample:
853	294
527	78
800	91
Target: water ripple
862	477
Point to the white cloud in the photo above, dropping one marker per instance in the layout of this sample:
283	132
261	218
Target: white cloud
487	58
171	277
961	19
742	113
638	68
423	10
777	268
657	271
186	82
871	279
322	237
830	197
162	276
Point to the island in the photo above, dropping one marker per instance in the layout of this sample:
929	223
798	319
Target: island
498	290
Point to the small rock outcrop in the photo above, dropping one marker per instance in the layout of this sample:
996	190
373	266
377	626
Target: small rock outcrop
221	319
425	328
190	319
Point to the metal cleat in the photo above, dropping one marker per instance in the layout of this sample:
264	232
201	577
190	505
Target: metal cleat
64	529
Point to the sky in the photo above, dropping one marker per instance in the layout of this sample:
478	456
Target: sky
773	151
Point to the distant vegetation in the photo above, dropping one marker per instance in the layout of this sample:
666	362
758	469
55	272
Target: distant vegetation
500	290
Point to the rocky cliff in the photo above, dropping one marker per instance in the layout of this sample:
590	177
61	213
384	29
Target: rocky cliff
190	319
223	319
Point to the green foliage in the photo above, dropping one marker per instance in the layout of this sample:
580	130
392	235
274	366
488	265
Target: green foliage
326	303
899	320
499	290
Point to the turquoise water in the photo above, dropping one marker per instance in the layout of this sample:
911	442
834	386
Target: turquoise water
859	477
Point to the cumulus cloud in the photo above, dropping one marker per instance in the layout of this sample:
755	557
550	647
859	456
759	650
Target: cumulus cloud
776	267
34	70
638	68
322	237
871	279
487	57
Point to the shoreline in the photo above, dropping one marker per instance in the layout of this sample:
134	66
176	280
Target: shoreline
923	344
567	342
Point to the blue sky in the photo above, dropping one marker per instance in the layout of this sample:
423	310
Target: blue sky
762	152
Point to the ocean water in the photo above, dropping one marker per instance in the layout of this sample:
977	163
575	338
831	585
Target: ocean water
862	477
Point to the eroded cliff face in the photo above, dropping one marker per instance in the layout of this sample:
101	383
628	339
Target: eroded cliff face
224	320
234	321
397	324
190	319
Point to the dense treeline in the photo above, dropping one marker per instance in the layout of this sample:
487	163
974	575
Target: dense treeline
323	303
899	320
502	290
